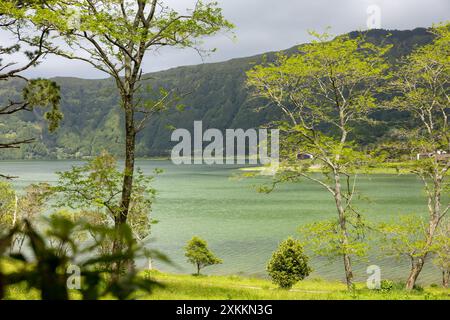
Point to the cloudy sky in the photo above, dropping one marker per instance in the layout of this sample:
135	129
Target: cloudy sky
268	25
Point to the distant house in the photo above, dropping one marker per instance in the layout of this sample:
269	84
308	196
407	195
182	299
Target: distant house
439	155
304	156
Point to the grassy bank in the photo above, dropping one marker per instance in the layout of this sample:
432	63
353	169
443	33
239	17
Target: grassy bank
188	287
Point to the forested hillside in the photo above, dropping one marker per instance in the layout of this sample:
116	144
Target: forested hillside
217	95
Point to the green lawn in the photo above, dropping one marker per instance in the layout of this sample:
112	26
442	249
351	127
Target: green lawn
189	287
179	287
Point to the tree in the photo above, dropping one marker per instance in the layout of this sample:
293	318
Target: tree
36	93
422	89
199	255
95	188
441	249
288	264
323	93
115	37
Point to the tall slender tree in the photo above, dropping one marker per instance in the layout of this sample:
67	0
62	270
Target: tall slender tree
422	89
323	92
115	36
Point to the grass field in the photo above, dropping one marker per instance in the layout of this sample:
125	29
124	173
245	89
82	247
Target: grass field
188	287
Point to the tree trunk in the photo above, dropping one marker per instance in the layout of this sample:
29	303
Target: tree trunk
445	278
198	269
344	234
127	185
434	208
416	268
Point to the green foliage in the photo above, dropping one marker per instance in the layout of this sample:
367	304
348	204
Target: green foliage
441	250
288	264
324	238
386	285
114	37
7	205
95	189
198	253
406	236
48	270
325	92
421	89
37	93
15	207
45	93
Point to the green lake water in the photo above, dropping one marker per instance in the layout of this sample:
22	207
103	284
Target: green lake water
242	226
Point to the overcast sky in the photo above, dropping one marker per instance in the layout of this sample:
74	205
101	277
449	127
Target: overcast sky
268	25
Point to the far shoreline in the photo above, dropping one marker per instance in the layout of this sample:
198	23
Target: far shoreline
390	169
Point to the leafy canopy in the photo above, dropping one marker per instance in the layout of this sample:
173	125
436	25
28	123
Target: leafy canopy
198	253
95	189
288	264
324	92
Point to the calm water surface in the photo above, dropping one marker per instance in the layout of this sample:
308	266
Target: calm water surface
242	226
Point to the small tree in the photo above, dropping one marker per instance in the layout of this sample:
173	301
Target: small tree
405	237
94	189
198	254
288	264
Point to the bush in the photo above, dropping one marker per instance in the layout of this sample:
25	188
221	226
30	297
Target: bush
288	264
386	285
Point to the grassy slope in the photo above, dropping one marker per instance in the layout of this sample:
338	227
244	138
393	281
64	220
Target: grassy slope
188	287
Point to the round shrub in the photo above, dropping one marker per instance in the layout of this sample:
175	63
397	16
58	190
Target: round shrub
288	264
386	285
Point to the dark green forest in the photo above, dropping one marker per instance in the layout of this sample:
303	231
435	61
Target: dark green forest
214	93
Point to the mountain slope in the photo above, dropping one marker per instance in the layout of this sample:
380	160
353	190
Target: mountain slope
93	121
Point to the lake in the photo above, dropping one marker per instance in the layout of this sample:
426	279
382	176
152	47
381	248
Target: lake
244	227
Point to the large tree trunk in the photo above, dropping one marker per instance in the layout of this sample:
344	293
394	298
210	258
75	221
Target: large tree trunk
416	268
344	233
